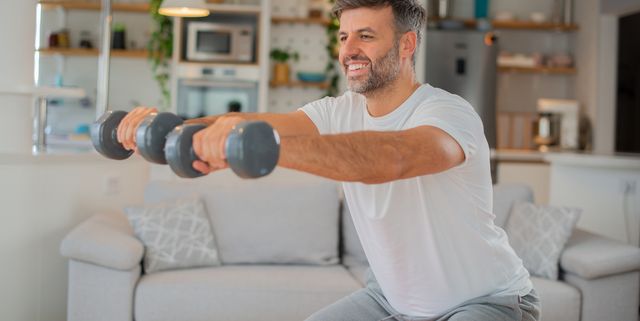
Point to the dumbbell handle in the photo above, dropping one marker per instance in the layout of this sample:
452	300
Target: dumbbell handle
252	149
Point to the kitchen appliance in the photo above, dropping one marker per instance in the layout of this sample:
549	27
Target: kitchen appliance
565	121
204	97
220	42
546	130
463	62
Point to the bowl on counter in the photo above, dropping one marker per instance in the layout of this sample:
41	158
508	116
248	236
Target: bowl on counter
307	76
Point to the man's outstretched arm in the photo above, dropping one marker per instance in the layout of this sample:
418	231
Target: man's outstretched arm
373	157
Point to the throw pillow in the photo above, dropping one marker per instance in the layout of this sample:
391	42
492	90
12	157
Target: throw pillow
538	234
175	234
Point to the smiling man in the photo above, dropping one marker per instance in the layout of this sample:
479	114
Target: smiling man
414	164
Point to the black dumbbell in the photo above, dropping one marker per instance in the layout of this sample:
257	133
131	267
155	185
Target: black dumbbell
252	149
104	135
150	136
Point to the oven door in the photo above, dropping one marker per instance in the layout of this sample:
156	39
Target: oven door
201	97
210	42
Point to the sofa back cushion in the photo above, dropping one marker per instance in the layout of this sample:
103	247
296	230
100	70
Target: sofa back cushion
352	251
505	196
286	217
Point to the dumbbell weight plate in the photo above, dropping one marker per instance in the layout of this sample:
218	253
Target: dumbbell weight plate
104	135
151	135
179	150
252	149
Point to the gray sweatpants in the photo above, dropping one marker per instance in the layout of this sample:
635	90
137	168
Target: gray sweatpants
369	304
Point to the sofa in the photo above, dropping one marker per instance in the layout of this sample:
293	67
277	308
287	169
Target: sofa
288	211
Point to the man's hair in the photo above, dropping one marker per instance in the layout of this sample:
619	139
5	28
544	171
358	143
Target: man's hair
408	15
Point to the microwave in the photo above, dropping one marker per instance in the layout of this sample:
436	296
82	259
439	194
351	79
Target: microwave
219	42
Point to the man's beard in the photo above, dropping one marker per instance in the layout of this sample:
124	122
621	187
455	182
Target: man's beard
381	73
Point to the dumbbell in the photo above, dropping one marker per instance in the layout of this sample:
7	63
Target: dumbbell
151	135
252	149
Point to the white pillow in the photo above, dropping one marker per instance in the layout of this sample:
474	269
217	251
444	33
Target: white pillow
176	234
538	234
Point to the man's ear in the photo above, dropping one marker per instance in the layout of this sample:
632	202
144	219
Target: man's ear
408	43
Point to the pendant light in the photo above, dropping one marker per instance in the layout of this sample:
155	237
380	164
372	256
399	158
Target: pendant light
184	8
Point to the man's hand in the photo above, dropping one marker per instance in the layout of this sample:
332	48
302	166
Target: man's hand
129	125
209	144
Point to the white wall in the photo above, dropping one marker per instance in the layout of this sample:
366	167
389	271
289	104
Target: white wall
18	35
43	197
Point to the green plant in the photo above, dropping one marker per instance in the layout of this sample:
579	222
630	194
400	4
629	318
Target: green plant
160	49
283	55
118	27
331	69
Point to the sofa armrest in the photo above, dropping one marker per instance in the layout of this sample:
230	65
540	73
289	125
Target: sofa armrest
591	256
105	240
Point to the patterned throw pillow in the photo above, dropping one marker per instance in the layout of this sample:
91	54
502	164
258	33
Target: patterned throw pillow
538	234
175	234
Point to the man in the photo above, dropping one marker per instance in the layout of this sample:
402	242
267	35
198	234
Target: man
415	167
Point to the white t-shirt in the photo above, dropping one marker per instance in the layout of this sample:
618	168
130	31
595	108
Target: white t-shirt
430	240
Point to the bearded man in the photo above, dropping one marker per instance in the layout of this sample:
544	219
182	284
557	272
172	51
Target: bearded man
414	163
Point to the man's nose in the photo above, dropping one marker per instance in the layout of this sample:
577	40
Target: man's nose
349	47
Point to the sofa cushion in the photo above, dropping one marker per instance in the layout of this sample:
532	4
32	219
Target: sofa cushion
504	196
559	301
176	234
538	234
241	292
282	218
351	247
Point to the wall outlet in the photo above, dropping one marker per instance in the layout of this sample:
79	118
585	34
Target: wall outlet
111	185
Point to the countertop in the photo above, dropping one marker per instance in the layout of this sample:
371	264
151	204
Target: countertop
571	158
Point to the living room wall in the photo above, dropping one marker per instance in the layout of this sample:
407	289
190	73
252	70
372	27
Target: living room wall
43	196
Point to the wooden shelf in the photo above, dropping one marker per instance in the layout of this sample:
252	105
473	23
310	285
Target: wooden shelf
530	25
520	25
80	52
539	70
91	5
301	84
319	21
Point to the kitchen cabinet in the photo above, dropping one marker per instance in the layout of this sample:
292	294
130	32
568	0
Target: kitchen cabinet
606	188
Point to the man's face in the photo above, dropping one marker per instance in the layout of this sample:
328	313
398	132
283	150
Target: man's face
368	48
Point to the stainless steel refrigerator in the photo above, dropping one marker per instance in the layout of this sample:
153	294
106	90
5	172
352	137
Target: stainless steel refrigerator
463	62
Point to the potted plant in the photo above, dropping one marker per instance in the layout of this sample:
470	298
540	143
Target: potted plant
281	67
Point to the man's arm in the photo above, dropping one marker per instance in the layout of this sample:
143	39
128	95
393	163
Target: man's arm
291	124
373	157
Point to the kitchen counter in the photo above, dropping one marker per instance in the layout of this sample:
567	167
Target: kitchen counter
587	159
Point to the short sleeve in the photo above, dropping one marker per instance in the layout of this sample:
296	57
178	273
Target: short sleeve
320	112
458	119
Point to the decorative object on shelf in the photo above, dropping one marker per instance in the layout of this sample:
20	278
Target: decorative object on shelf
317	8
538	17
503	15
85	40
184	8
119	36
562	12
307	76
506	59
59	39
443	8
160	48
561	60
481	9
281	66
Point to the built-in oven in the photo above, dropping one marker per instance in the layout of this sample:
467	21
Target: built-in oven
220	42
204	97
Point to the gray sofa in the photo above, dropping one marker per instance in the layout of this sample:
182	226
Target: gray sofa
599	277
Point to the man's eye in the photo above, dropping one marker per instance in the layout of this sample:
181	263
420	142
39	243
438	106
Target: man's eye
365	37
342	39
